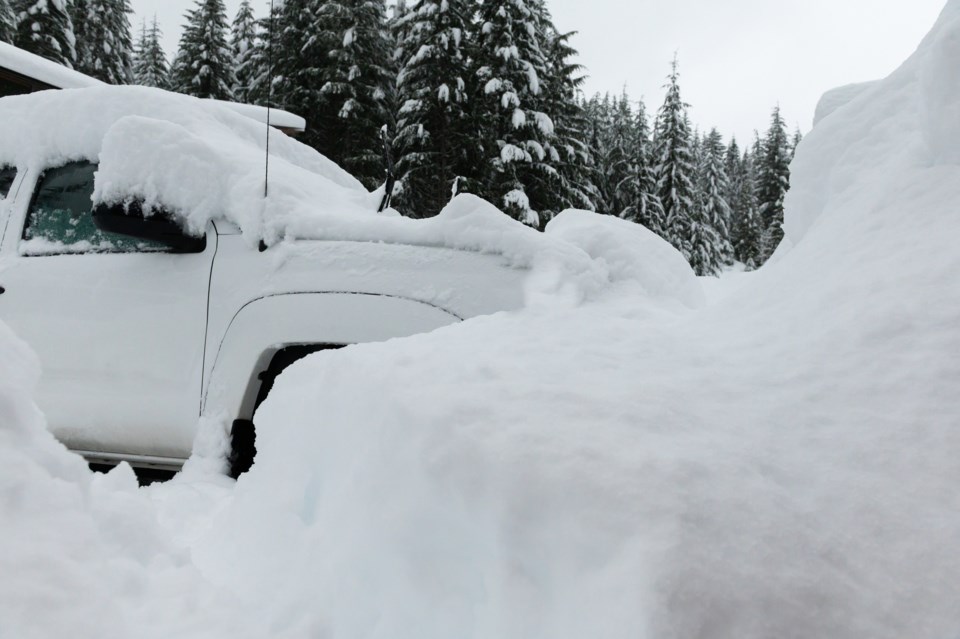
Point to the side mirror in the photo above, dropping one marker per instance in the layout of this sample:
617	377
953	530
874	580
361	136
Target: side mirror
159	227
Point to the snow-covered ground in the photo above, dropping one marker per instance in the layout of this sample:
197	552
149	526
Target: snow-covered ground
775	456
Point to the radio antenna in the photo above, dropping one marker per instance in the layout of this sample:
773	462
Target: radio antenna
266	164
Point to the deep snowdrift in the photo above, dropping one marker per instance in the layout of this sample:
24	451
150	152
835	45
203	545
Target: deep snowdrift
781	463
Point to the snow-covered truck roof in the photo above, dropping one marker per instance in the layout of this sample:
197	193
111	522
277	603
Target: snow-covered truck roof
24	72
201	161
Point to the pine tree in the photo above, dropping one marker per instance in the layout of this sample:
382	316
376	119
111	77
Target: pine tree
44	27
747	227
773	183
149	60
795	142
8	27
562	179
702	238
433	126
569	151
715	212
358	86
104	46
204	66
619	140
638	190
733	165
510	66
332	59
675	170
243	43
599	113
262	67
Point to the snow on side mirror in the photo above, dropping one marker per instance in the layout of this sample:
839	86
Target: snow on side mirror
159	227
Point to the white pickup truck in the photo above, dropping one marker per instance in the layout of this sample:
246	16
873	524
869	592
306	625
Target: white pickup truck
142	327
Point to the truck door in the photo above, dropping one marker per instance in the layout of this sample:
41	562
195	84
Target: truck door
118	323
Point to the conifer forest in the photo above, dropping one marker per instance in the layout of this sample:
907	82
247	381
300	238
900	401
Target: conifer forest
472	96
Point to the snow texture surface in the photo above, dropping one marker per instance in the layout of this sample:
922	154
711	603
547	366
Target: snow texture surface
777	461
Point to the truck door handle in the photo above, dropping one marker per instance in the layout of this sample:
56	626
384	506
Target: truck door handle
2	290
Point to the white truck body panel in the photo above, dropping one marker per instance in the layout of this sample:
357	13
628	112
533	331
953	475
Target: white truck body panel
134	345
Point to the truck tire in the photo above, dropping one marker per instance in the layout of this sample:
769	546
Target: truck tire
243	433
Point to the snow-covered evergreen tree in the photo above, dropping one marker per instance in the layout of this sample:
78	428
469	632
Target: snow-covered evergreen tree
510	65
733	165
619	141
262	66
434	134
44	27
243	42
563	180
600	114
703	241
104	46
204	63
715	210
747	227
638	190
675	169
773	182
331	68
398	30
149	60
795	141
8	27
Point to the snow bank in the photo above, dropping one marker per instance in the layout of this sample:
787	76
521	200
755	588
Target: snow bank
895	129
779	464
631	253
839	97
85	555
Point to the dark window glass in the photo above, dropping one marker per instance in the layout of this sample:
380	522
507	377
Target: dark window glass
59	219
6	180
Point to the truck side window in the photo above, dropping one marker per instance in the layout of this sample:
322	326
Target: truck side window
59	219
7	174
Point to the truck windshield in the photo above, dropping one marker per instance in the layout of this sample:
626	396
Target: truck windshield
6	180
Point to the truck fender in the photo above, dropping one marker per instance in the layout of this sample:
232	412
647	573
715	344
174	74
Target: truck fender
268	324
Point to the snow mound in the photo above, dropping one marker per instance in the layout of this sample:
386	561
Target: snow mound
907	123
630	253
83	552
839	97
778	464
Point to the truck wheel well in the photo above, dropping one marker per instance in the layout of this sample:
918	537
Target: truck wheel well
243	437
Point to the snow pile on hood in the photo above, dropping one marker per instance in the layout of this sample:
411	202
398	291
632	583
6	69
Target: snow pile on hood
780	464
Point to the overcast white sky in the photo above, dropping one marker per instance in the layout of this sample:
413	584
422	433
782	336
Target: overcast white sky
738	58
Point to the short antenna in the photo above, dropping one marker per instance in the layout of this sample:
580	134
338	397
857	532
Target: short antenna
266	163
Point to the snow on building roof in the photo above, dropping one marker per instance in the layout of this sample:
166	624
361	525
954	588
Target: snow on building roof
278	118
56	76
42	70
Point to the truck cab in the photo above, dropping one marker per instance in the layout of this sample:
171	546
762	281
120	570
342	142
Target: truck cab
138	338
